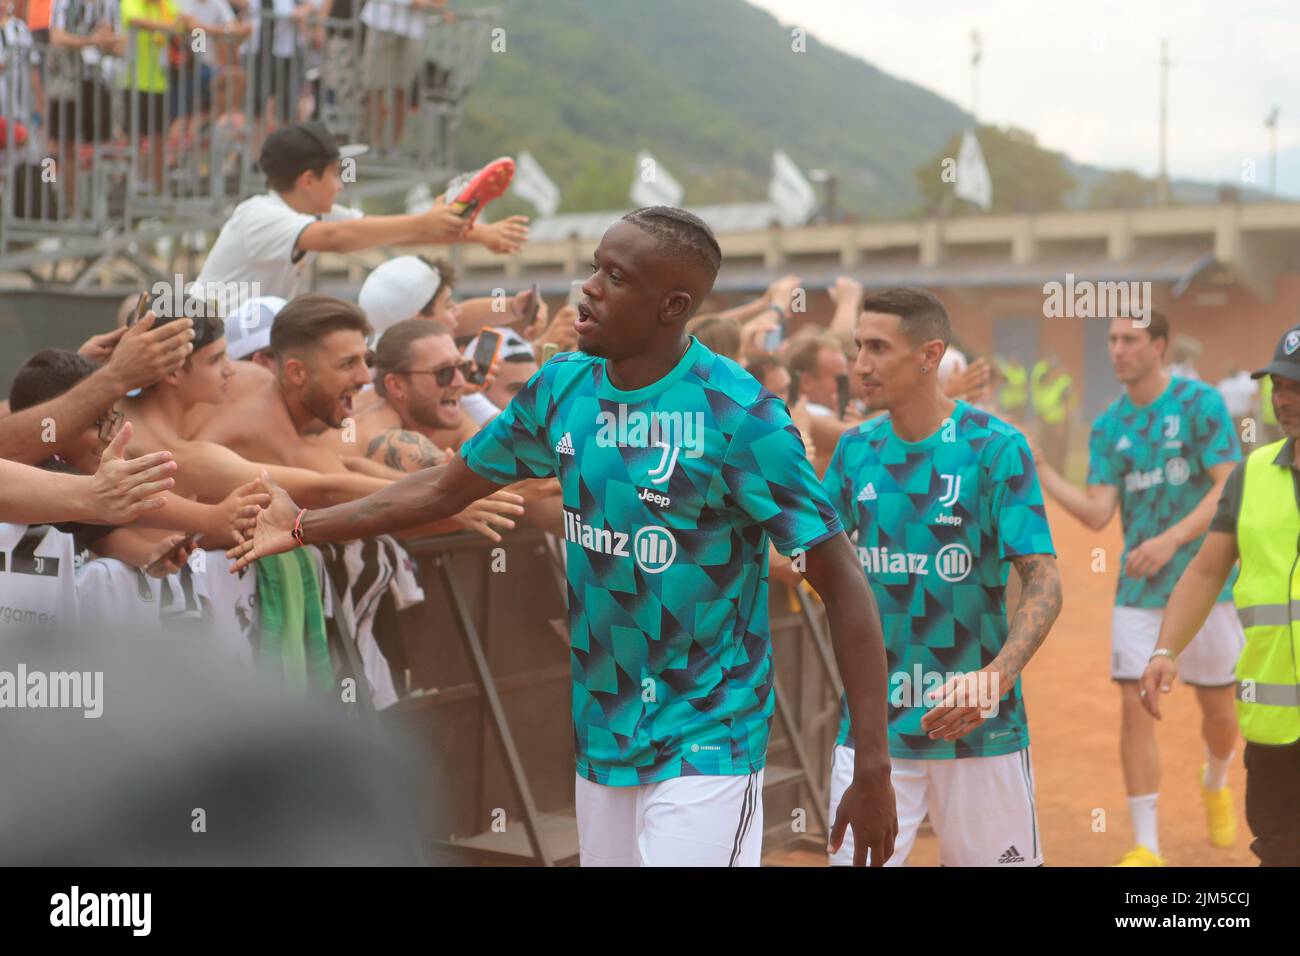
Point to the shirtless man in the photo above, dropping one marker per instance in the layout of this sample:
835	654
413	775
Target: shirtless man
420	376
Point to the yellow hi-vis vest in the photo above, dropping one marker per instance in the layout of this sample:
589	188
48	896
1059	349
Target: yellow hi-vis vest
1267	595
1049	397
1015	393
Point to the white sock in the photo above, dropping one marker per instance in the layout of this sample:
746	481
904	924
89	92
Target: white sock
1216	770
1142	810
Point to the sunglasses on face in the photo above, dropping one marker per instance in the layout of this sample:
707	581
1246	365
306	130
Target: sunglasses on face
444	376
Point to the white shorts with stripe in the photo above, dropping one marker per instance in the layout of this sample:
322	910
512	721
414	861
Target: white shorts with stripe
981	808
686	821
1210	660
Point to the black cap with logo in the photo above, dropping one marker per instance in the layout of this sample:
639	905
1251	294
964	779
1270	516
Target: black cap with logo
1286	357
295	149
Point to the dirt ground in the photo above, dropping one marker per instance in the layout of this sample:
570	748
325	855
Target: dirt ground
1074	731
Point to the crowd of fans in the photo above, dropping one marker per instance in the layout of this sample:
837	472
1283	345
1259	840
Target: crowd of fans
168	78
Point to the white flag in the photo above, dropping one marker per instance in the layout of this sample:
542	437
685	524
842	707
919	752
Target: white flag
532	185
973	181
652	185
791	193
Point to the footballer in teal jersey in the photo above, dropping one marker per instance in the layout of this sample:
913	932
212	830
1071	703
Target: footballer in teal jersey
670	495
678	472
1159	457
1160	454
935	523
941	499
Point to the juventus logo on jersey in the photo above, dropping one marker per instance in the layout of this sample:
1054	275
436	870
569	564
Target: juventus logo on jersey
1171	426
667	463
951	489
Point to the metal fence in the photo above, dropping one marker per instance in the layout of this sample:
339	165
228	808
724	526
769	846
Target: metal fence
141	126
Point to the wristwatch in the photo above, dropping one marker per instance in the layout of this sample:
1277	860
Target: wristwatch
1162	652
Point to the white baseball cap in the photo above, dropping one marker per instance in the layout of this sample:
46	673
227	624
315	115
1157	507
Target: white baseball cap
396	291
248	328
952	363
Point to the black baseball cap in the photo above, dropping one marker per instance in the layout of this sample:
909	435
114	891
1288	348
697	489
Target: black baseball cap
295	149
1286	357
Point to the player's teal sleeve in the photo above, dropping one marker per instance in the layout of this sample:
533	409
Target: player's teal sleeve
836	483
1017	501
768	476
1101	470
1213	432
514	445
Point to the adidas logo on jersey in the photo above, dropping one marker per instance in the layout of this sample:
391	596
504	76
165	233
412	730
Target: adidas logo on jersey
1011	855
868	493
1123	444
565	445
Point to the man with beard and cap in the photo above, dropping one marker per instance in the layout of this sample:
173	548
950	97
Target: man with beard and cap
1255	528
666	545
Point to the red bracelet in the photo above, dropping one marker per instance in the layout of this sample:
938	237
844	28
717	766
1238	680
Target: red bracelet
297	527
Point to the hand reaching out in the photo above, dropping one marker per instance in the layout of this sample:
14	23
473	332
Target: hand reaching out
123	488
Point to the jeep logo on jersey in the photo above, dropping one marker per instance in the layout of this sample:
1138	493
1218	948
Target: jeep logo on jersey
654	498
951	489
953	562
1177	471
655	549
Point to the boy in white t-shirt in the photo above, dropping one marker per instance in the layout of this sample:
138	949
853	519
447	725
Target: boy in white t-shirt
270	239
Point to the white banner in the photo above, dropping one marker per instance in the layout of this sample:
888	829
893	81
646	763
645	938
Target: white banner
973	180
532	185
652	185
790	191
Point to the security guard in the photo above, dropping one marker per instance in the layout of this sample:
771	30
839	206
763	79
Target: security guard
1258	522
1050	394
1014	397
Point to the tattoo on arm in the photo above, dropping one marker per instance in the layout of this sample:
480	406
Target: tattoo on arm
404	450
1040	603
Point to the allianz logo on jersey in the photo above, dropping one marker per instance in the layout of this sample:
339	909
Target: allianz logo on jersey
953	562
1175	472
653	547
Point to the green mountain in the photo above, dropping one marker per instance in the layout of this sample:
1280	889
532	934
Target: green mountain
710	87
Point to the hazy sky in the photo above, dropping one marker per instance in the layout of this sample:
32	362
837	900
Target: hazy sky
1084	76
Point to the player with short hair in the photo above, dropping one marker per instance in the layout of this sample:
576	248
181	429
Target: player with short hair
942	498
1161	452
667	532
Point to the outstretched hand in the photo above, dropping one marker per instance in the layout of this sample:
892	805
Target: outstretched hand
262	532
487	514
123	488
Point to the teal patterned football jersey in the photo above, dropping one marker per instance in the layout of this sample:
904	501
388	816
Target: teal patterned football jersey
935	524
671	493
1159	457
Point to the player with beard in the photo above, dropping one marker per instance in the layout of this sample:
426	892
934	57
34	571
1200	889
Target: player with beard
943	500
666	561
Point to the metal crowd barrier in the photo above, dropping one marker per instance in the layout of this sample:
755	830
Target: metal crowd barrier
487	662
166	131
